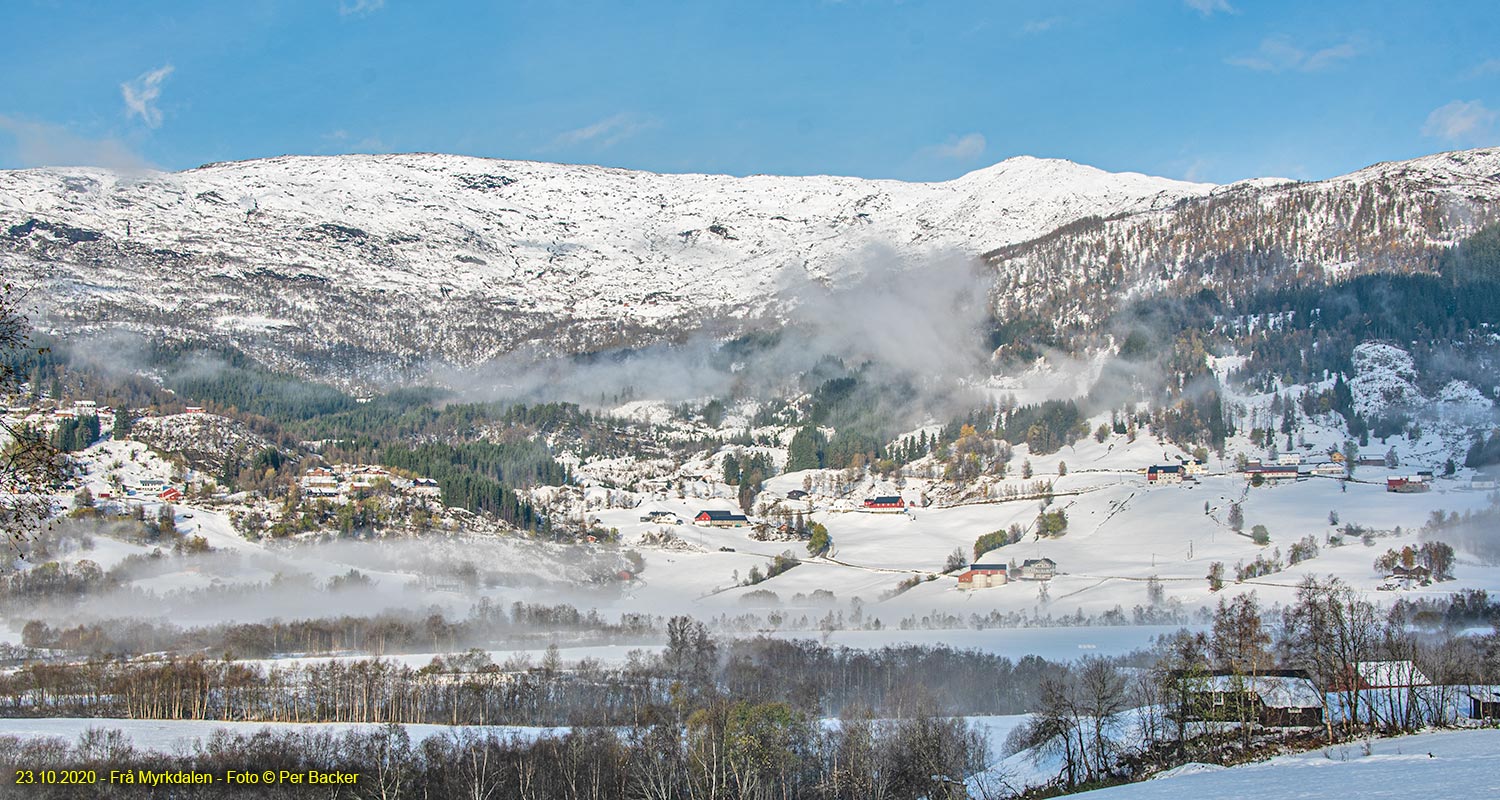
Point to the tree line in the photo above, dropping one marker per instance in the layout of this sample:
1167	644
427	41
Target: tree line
725	750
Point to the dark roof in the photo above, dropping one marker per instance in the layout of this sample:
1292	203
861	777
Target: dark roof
884	500
722	516
1167	468
994	567
1274	691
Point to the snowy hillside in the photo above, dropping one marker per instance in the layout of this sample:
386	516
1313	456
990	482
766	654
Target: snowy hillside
1389	217
410	256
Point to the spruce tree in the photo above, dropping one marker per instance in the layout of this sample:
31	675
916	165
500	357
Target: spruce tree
803	453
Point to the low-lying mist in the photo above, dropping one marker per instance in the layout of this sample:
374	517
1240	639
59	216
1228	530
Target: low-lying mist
919	326
338	578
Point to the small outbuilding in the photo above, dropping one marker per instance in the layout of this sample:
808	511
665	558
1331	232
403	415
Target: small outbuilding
1274	699
1484	704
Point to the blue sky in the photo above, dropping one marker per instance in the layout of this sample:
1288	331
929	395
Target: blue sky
922	90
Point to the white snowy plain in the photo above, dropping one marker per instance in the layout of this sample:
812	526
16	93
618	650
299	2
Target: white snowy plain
1449	764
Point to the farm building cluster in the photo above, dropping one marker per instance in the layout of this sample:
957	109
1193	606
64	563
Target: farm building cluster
1374	692
982	575
344	482
46	414
1292	466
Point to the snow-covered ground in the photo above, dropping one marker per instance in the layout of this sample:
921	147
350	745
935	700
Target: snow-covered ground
1450	764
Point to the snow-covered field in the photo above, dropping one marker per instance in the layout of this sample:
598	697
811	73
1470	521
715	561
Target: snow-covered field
1450	764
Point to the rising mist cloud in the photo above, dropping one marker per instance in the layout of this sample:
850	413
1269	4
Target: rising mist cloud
38	144
917	321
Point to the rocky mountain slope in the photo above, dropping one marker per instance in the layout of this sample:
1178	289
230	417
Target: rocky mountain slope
1390	217
371	261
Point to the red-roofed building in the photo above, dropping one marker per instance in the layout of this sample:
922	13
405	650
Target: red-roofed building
983	576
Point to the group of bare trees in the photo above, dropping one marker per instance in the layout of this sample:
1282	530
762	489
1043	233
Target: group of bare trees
1081	712
724	751
387	633
894	682
1191	702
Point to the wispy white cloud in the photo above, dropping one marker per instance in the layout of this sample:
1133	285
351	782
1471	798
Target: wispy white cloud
1196	169
1041	25
1467	123
1210	7
39	144
1483	68
959	148
1281	54
359	8
605	133
343	141
140	96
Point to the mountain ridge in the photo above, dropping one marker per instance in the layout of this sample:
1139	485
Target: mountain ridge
1244	237
307	253
378	264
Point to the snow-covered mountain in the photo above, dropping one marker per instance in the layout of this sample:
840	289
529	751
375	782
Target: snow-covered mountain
1390	217
384	259
363	265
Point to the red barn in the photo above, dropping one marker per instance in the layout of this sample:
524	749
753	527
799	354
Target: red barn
1171	473
1407	484
983	576
171	494
892	503
721	519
